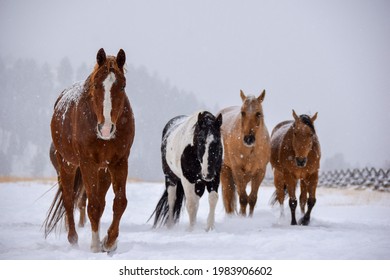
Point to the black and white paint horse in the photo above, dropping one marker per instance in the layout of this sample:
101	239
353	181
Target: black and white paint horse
191	152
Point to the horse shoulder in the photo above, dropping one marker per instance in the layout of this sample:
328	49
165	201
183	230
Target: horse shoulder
281	145
189	165
315	153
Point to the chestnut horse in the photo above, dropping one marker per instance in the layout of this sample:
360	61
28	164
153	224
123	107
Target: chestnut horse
246	152
295	155
93	130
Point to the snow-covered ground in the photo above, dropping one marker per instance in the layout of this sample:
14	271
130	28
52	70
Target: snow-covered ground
346	224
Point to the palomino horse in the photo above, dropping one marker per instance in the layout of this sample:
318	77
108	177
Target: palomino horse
246	152
295	155
191	152
93	130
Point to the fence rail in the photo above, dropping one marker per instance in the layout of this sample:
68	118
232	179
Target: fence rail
378	179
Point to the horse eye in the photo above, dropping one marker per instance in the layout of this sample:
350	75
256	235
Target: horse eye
243	114
258	114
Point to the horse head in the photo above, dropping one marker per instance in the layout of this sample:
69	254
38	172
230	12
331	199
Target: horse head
252	117
107	92
303	136
208	144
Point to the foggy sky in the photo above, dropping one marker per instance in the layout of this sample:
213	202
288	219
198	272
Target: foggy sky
327	56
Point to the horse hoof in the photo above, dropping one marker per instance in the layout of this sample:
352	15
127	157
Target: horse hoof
96	249
107	248
190	228
304	222
209	228
73	239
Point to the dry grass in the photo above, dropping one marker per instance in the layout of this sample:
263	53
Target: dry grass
7	179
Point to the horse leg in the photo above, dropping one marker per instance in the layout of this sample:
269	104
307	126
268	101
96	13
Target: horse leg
291	183
241	190
312	182
81	198
303	196
280	192
89	173
171	189
255	185
228	190
192	201
119	177
67	175
82	203
243	198
212	188
104	183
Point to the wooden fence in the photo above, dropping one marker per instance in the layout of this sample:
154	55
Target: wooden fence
378	179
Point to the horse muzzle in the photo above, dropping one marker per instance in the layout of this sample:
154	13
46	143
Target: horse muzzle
106	131
208	177
301	161
249	140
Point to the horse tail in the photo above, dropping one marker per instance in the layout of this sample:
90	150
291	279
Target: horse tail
178	202
274	197
57	210
161	212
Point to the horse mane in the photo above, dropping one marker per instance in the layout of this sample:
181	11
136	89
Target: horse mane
307	120
206	115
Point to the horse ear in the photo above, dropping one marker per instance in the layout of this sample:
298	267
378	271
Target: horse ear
243	97
121	58
313	118
261	97
200	118
218	121
101	57
295	115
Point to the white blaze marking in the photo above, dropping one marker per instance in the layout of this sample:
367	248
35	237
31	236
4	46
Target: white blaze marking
210	138
107	104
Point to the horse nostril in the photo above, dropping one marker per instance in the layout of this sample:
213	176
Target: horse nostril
100	127
300	161
112	128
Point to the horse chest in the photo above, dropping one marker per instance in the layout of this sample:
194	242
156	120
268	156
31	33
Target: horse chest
247	161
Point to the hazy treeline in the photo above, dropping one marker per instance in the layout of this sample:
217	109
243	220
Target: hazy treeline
28	91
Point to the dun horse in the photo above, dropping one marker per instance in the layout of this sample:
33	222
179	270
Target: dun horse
93	130
191	152
295	156
246	152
